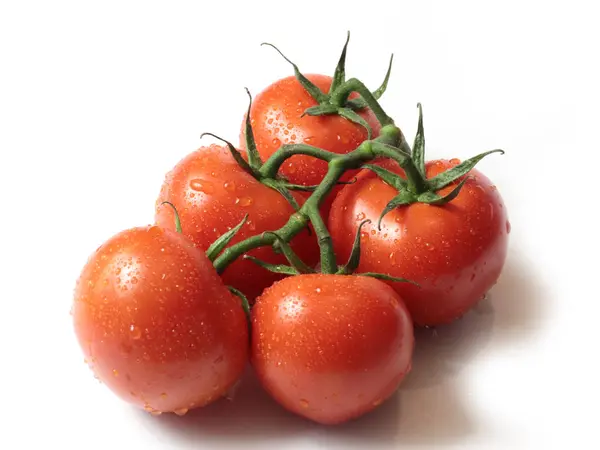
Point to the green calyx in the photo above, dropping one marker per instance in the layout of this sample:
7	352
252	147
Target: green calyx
336	101
415	187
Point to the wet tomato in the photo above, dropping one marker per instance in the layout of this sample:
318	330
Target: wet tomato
156	323
456	252
276	120
331	347
212	194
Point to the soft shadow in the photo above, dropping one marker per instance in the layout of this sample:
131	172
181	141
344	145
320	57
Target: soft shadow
431	407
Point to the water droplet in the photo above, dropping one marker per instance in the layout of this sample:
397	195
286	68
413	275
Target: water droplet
293	137
276	142
416	258
163	395
135	332
270	121
91	284
473	231
360	216
373	232
339	138
392	257
181	411
508	227
156	413
455	161
244	201
229	186
473	276
429	246
308	139
291	168
318	290
204	186
219	359
377	402
304	403
115	372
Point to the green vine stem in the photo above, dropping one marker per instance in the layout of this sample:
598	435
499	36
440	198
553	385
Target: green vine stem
382	146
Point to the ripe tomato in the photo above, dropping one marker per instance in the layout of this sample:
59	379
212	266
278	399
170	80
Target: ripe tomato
156	323
212	194
331	347
455	252
276	119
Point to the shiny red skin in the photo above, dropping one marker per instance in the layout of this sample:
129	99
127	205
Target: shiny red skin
456	252
275	119
156	323
331	348
212	193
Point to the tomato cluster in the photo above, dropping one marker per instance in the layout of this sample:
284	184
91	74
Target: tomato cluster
310	251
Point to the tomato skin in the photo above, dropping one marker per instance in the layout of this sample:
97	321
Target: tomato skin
455	252
331	348
275	118
156	323
212	194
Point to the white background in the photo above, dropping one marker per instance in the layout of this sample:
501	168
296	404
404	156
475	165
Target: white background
99	99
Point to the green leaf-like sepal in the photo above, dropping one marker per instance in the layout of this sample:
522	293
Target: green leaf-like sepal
254	158
360	103
445	178
403	198
310	87
244	299
177	220
354	259
236	155
382	276
275	268
339	75
216	247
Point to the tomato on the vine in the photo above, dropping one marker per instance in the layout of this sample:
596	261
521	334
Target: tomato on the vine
156	323
212	194
277	118
455	252
331	347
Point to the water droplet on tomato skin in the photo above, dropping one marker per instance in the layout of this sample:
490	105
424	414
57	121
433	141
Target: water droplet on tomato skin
181	411
508	227
244	201
276	142
455	161
304	403
308	139
163	395
229	186
360	216
199	185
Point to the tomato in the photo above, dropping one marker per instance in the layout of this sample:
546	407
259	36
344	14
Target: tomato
156	323
212	194
456	252
331	348
275	118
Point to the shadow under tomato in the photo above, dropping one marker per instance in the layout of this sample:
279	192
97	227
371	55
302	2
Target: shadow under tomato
431	406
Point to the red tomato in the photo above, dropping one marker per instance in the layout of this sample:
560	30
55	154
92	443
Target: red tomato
275	118
455	252
212	194
156	323
331	347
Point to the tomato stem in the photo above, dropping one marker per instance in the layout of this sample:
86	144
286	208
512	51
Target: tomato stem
341	94
383	146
